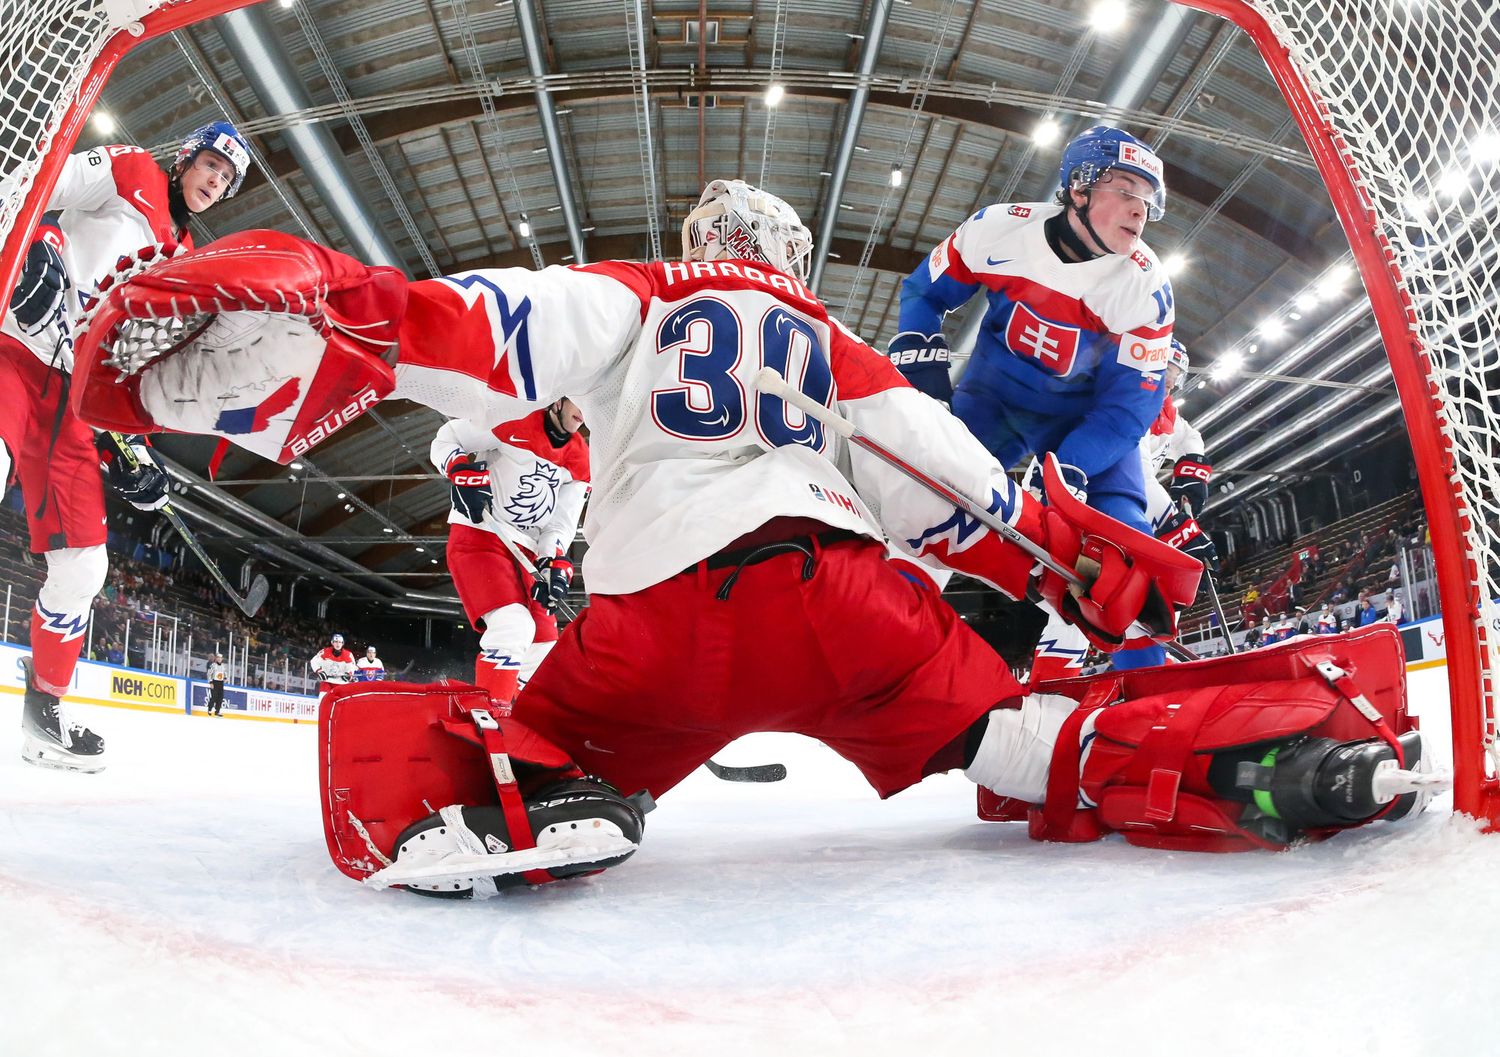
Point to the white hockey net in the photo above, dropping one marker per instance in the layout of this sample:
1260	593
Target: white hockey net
1398	101
46	50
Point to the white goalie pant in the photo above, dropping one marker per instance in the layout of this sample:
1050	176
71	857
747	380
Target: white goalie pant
1015	753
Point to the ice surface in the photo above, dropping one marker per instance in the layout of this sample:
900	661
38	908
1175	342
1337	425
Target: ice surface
182	902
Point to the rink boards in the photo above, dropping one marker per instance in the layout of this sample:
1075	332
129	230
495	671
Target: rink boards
96	683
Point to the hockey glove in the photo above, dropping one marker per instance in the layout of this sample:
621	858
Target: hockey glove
1183	532
1190	481
552	578
923	360
1073	479
133	470
39	298
470	478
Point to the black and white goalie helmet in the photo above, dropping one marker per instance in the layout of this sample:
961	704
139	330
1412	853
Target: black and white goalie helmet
735	221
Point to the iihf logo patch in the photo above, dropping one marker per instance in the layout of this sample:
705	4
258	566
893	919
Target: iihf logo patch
536	496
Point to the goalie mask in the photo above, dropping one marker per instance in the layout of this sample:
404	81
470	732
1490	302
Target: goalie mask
734	221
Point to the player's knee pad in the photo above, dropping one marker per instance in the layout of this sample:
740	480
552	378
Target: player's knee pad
508	632
74	577
509	803
1249	751
536	653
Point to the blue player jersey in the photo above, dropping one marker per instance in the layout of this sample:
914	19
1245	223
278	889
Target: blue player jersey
1085	343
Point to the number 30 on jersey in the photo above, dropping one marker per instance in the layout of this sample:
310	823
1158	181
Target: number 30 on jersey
714	352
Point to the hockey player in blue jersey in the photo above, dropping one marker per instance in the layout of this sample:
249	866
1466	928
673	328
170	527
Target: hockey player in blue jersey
1076	334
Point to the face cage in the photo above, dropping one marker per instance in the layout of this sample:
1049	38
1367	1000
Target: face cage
739	239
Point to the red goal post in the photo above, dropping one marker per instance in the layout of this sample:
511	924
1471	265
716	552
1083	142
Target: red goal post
1392	96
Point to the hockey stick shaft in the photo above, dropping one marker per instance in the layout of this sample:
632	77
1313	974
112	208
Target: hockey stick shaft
1213	590
768	380
244	604
526	563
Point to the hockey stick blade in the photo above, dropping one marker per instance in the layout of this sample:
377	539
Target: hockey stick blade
765	772
768	380
260	588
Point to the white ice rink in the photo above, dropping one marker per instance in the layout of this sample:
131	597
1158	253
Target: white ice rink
182	903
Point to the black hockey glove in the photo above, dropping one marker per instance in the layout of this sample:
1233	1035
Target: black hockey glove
923	360
39	298
552	578
133	470
471	494
1190	481
1184	533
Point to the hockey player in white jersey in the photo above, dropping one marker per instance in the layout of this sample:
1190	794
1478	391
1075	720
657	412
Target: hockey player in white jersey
334	665
109	202
371	669
739	581
518	488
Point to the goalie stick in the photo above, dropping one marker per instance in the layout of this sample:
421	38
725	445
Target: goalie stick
768	380
260	587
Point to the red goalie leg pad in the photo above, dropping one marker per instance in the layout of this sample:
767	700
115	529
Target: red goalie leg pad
310	326
1155	733
390	756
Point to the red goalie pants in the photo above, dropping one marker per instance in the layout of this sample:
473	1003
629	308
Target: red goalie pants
643	688
52	452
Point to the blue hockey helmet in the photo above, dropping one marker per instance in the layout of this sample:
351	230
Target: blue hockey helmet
222	138
1097	150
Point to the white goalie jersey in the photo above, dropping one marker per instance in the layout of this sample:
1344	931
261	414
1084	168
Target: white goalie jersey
660	358
539	487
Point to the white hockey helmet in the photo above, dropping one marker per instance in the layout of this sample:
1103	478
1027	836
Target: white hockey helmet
1179	356
734	221
336	639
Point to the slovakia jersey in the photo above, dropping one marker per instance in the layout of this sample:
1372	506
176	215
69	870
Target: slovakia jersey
687	454
1170	438
113	202
539	489
369	671
1087	341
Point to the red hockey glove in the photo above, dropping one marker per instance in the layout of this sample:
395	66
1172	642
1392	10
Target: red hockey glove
1128	576
263	339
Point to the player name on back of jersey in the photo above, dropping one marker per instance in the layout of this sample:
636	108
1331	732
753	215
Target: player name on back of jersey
697	270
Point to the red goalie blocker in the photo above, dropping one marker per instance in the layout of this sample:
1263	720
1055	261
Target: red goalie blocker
265	340
394	754
1241	700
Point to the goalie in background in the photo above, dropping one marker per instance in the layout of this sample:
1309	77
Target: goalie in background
739	579
518	491
109	203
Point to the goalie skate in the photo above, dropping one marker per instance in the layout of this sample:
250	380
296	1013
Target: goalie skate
48	741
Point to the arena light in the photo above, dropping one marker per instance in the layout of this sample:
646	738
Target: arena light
296	466
1226	366
774	95
1485	147
1306	300
1453	183
343	495
103	123
1174	264
388	530
897	176
1272	328
421	550
1046	133
524	227
1109	15
1333	281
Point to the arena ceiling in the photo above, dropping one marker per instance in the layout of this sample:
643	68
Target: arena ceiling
411	131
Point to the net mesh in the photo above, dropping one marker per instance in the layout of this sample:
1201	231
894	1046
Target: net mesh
46	49
1408	90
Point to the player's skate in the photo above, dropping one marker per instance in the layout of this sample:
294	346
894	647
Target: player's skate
48	740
